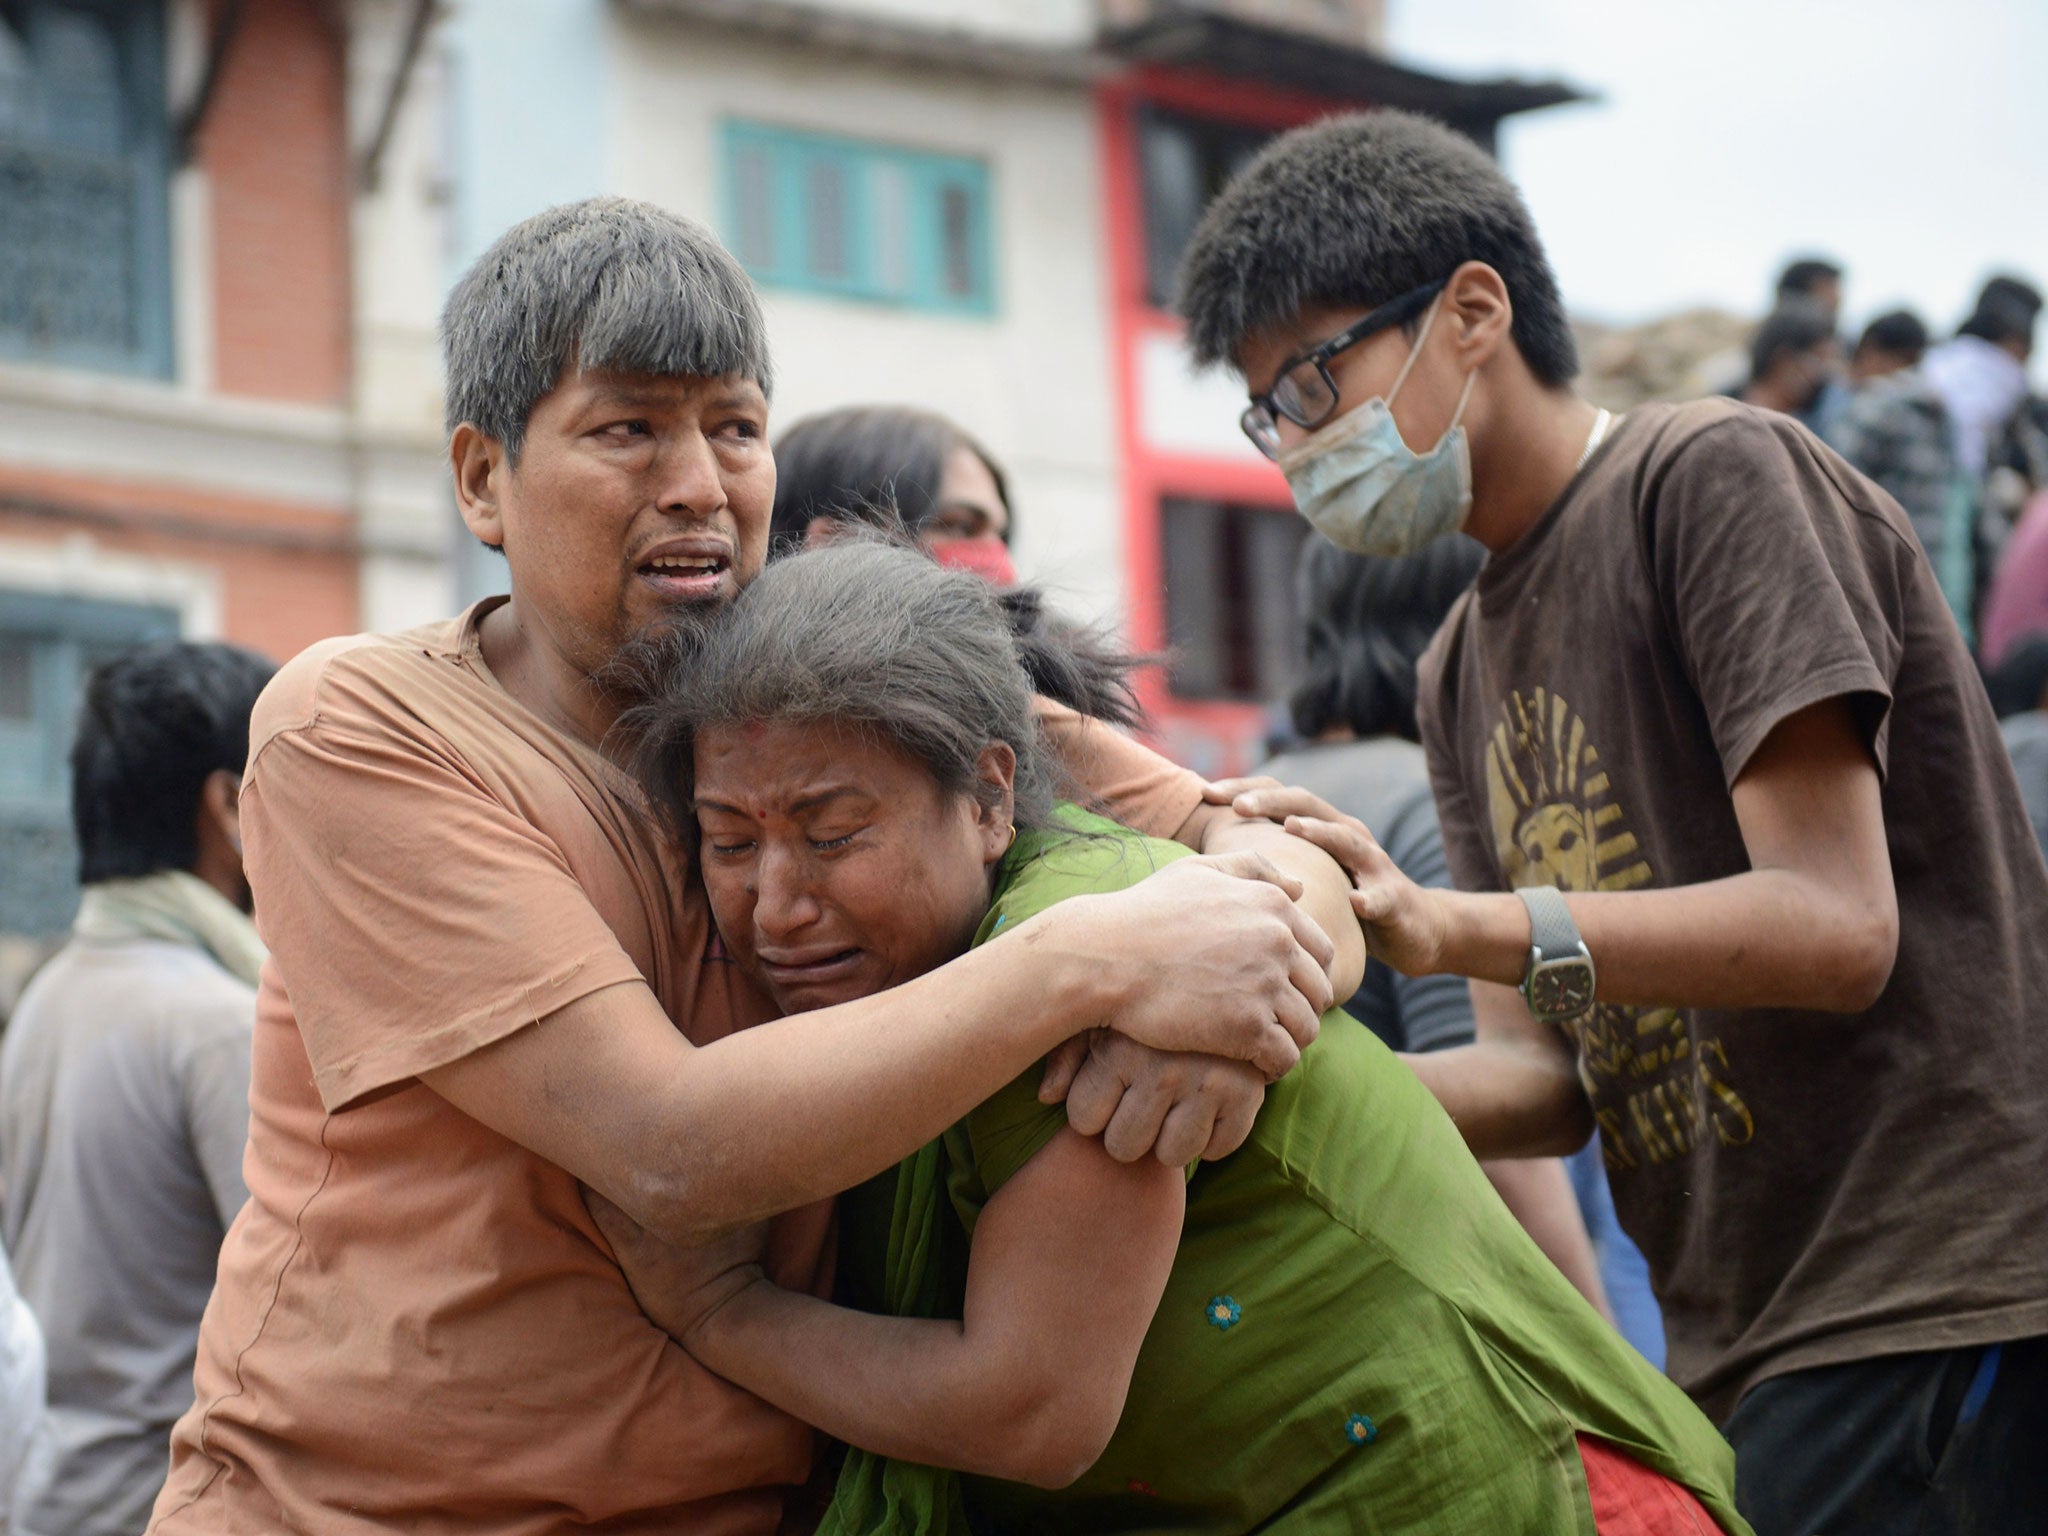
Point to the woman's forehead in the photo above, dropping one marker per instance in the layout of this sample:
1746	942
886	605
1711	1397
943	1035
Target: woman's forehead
792	763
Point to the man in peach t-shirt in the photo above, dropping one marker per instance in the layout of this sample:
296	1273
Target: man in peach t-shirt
492	982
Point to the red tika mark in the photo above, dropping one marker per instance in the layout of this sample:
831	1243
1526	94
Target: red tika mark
1144	1488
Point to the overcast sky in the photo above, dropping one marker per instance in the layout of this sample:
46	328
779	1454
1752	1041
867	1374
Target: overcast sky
1905	138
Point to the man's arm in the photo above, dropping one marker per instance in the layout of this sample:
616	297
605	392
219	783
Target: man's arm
1326	888
1812	924
1514	1092
1181	1107
691	1142
1068	1264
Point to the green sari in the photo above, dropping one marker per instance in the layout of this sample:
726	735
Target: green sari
1356	1334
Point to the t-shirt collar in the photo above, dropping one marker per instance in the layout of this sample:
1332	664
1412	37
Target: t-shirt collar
1502	573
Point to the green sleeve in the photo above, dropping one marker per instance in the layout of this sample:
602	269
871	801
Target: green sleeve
1086	854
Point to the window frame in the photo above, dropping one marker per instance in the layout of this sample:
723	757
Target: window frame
1212	137
1232	634
62	630
793	155
139	31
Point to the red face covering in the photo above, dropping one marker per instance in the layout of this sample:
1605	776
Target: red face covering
987	557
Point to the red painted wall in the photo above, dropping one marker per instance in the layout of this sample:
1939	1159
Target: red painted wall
1186	727
275	151
287	574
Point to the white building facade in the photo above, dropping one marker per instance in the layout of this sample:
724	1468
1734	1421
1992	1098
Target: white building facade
972	206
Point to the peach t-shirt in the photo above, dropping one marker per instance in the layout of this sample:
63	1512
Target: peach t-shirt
415	1324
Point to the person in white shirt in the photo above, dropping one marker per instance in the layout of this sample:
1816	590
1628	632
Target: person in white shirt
21	1387
124	1081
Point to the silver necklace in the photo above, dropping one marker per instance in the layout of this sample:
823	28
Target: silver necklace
1601	423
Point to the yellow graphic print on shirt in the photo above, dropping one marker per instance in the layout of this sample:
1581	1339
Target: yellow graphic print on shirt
1654	1087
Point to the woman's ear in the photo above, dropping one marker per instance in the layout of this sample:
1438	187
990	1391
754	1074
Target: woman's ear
996	768
476	459
1478	297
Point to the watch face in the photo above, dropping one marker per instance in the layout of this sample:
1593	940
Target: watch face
1561	989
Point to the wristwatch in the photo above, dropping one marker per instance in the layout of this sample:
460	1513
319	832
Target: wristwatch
1558	984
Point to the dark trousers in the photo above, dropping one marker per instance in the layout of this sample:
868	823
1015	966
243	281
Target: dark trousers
1948	1443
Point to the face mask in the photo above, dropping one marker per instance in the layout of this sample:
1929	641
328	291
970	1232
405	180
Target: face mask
987	557
1367	491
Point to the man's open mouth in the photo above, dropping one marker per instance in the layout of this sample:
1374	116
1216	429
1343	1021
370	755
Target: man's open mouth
685	576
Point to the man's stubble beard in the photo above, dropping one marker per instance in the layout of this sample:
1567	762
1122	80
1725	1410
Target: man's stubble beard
665	642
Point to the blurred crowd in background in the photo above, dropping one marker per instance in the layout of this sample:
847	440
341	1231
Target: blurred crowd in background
1948	423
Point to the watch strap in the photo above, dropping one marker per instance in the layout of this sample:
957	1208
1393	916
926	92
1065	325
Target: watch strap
1552	933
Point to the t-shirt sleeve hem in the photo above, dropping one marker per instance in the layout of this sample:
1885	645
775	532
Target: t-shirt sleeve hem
1131	782
1176	802
1841	680
343	1082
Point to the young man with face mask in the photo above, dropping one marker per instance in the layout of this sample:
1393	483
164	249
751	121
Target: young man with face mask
1744	878
493	981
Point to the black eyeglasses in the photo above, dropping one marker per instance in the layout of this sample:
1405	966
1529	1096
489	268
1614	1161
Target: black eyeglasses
1305	393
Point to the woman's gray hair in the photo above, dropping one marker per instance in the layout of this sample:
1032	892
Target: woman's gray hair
875	638
604	283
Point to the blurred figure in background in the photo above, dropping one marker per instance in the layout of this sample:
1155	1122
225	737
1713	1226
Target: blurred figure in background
1897	431
1812	280
1981	375
1893	342
851	465
21	1388
1793	359
1367	621
2019	692
2016	498
1924	433
124	1081
1817	281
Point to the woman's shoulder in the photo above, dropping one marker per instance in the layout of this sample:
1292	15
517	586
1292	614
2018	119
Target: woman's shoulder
1077	853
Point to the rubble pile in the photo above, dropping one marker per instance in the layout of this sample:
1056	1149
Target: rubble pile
1677	357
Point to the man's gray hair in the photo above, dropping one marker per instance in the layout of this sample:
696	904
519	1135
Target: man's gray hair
604	283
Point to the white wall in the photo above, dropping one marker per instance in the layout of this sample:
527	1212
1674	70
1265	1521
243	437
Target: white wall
402	233
1063	22
1034	379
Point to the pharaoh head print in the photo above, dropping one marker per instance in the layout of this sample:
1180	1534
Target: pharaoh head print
1555	819
1655	1083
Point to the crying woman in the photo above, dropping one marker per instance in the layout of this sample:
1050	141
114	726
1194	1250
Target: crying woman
1337	1328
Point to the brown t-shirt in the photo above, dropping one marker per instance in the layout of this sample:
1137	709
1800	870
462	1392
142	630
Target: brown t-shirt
416	1326
1808	1188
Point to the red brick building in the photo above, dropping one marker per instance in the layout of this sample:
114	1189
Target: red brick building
181	451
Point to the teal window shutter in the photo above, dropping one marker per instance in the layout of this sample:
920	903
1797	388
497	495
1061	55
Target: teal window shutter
49	645
816	213
84	185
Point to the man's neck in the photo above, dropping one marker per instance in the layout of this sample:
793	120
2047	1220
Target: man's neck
532	668
1523	470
